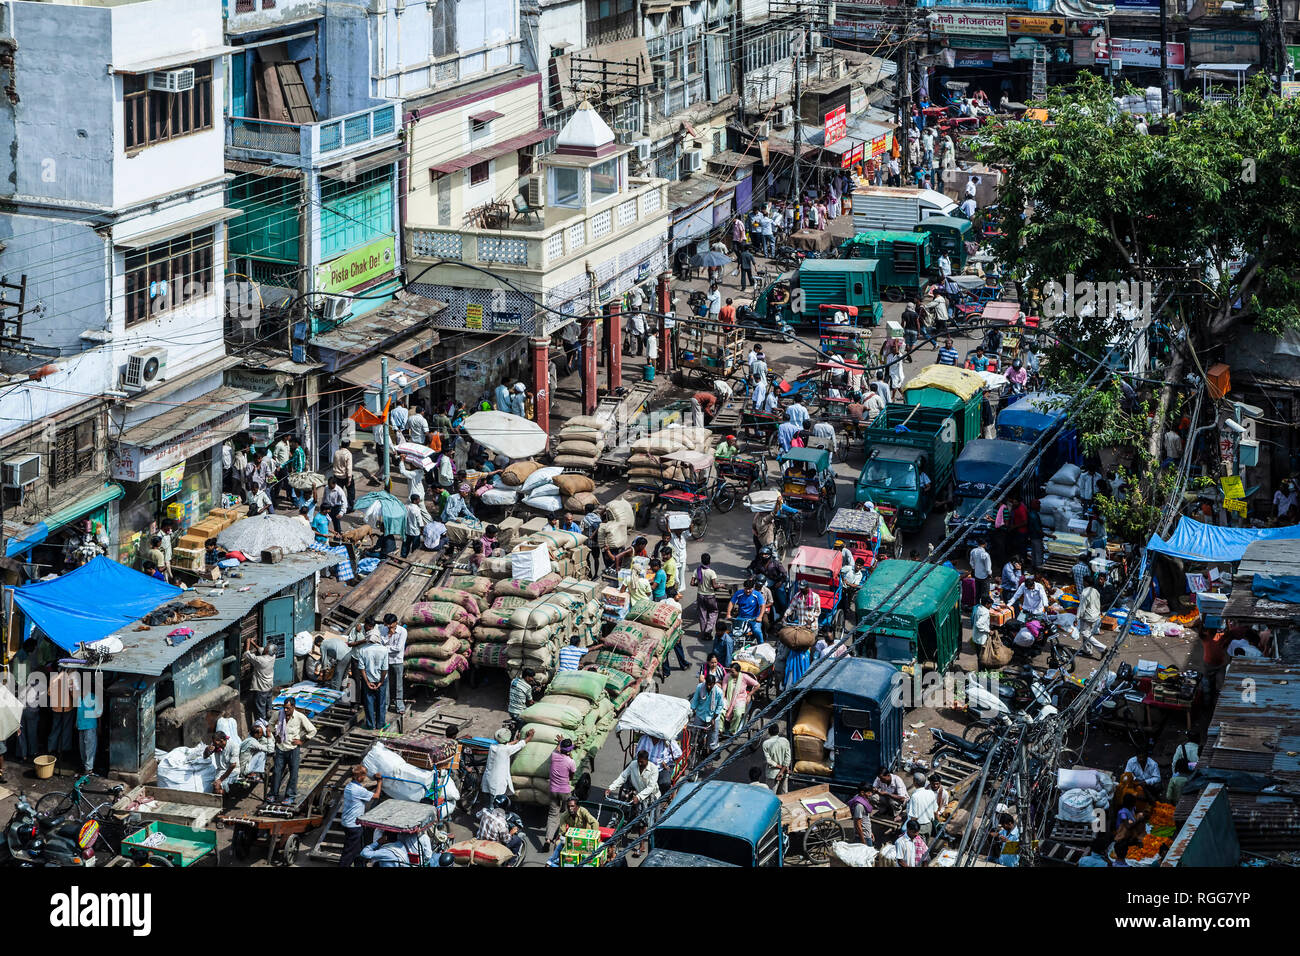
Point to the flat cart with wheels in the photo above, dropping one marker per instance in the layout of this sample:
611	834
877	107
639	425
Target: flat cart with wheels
743	472
169	844
320	780
659	716
814	819
710	350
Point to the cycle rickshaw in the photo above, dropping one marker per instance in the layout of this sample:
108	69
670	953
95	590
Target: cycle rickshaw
808	483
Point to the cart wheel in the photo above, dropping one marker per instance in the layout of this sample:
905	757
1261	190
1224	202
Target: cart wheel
893	293
725	498
780	541
824	512
699	524
155	859
470	785
292	844
241	842
818	839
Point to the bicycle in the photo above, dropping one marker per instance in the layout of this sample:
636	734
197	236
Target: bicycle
788	533
62	804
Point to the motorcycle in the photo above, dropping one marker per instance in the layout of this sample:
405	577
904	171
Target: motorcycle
32	840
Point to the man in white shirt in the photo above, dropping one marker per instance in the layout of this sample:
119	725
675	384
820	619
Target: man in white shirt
395	640
1145	771
1284	499
890	791
872	406
225	754
416	519
1173	443
980	621
968	208
714	299
496	772
971	188
417	426
881	388
945	265
981	565
767	234
1031	595
776	760
796	414
638	784
1088	619
922	805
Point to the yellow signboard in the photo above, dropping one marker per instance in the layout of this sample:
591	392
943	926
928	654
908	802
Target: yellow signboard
1232	487
473	316
1236	506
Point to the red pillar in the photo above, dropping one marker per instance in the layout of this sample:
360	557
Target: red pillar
541	349
588	364
614	347
665	307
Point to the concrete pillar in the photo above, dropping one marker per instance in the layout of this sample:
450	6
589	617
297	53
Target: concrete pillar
588	332
614	347
541	349
664	305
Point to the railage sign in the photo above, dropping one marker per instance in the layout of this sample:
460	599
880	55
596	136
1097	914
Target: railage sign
970	24
357	266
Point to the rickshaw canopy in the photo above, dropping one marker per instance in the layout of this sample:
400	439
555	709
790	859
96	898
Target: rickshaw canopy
818	458
698	460
658	715
850	310
738	810
947	378
822	561
853	523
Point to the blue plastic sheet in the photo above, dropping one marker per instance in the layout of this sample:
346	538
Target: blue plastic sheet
1193	540
1284	588
92	602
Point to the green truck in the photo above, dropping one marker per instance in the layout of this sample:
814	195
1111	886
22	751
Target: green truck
904	442
949	234
957	391
797	297
906	261
910	614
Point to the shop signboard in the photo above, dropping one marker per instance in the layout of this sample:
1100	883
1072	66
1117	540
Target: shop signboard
170	480
969	24
1085	28
1223	46
836	125
1035	26
1025	47
1145	53
138	463
357	266
1290	90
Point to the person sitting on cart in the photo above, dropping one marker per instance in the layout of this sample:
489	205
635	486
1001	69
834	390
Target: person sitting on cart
225	754
713	666
889	791
1031	596
797	413
979	361
769	566
737	690
638	785
396	849
664	754
706	709
253	751
575	816
498	824
747	605
726	448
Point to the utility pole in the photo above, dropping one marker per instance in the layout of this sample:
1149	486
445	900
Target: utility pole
383	403
795	186
902	89
1164	58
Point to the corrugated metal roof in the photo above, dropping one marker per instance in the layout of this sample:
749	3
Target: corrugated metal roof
370	332
1278	558
171	424
147	652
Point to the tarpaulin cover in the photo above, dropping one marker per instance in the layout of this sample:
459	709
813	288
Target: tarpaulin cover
1194	541
92	602
1282	588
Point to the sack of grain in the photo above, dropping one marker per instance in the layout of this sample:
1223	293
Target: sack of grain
480	853
517	472
478	586
584	684
577	504
570	485
441	651
466	600
542	476
660	614
430	679
528	589
589	421
436	633
797	638
488	655
556	711
435	612
576	461
620	512
581	449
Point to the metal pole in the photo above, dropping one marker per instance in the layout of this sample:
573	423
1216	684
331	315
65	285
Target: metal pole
798	138
902	83
383	402
1164	58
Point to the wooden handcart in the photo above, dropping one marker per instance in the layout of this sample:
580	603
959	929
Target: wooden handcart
813	831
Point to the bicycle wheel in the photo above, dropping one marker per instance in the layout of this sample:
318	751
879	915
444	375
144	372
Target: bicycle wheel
725	497
55	804
796	530
699	523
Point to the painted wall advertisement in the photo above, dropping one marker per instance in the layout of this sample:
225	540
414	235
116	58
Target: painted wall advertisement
357	266
969	24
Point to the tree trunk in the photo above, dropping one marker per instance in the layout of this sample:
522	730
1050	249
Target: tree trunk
1172	375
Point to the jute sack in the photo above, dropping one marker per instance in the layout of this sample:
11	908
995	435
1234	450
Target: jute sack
573	484
576	461
582	449
517	472
797	638
578	503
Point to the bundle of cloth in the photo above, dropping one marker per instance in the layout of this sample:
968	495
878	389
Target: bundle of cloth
438	631
582	440
1063	499
646	465
630	655
576	708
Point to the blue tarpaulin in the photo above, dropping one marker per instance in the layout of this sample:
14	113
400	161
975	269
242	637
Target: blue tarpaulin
1193	540
1283	587
92	602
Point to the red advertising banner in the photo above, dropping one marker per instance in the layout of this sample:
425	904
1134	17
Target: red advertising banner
837	125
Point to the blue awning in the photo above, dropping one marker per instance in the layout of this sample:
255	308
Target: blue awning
93	601
37	533
1193	540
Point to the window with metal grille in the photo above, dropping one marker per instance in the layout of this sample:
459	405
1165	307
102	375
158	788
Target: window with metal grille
73	453
156	117
245	6
168	275
610	20
478	173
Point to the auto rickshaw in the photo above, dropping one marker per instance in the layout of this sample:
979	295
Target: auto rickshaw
808	483
909	615
722	824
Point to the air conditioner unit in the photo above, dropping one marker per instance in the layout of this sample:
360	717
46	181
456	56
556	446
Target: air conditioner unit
534	190
764	129
144	368
692	160
172	81
21	471
785	117
667	67
642	149
335	308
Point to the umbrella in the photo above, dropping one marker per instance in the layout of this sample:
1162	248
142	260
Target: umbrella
306	480
391	507
254	535
506	434
710	260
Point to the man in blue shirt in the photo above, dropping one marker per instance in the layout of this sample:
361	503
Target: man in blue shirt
321	525
785	433
502	396
979	360
746	605
706	709
658	580
797	413
355	797
947	355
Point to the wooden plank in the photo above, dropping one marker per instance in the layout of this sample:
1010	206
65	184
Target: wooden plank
296	100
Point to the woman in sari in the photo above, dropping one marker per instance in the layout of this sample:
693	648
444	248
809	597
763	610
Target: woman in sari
736	692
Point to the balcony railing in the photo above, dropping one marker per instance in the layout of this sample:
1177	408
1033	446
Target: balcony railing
314	142
541	249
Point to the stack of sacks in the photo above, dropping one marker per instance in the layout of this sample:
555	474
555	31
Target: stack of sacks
633	651
1062	500
582	440
438	632
576	492
576	706
811	729
646	466
540	491
569	554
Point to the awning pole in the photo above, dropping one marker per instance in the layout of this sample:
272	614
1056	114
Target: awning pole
383	403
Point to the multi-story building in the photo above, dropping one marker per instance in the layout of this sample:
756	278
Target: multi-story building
114	229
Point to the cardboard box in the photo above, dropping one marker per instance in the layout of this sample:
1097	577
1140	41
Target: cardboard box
581	840
575	858
1000	614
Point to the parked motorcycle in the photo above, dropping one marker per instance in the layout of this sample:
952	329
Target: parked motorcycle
33	840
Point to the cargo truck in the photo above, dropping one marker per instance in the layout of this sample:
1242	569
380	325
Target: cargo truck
898	208
904	442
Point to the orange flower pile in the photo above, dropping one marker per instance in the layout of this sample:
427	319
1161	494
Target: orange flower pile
1150	846
1162	815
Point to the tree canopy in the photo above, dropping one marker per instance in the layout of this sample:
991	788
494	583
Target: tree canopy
1209	204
